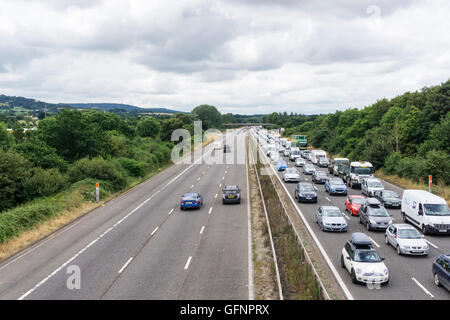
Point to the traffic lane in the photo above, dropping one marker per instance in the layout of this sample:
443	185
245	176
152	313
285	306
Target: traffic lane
26	269
419	269
334	242
159	270
219	269
100	263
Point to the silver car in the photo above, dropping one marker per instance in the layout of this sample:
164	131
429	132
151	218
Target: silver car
330	218
309	169
406	239
299	162
291	175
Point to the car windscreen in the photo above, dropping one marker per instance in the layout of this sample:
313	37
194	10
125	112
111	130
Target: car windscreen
358	200
321	173
377	212
374	184
358	170
390	194
230	191
367	256
409	234
309	166
291	171
337	182
190	198
306	188
436	210
332	213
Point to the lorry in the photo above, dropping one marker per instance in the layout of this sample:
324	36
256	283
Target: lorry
353	173
426	211
316	154
301	141
333	165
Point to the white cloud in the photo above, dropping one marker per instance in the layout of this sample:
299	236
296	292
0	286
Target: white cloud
242	56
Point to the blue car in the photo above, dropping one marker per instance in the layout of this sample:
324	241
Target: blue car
191	201
281	165
335	186
305	192
441	271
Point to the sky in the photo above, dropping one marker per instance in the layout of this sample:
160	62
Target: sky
242	56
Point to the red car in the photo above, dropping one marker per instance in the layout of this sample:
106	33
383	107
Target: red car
353	202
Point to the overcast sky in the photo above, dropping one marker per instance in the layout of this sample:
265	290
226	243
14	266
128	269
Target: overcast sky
242	56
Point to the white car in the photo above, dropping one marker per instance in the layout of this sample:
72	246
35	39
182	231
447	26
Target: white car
299	162
363	262
287	152
406	239
291	175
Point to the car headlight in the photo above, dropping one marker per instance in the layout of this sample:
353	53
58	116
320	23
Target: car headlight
358	270
405	247
386	271
390	221
372	221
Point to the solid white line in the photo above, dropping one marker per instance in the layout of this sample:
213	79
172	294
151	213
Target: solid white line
108	230
125	265
187	263
201	231
210	210
431	244
422	287
374	242
154	231
170	212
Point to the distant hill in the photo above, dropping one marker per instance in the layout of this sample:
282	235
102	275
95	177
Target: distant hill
115	106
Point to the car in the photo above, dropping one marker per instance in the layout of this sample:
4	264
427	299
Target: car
287	152
231	194
304	153
353	202
441	271
281	150
371	185
294	154
335	186
406	239
363	262
308	169
191	201
373	215
281	166
305	192
291	175
299	162
319	177
323	162
389	198
330	218
226	148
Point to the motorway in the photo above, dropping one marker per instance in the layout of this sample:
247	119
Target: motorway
142	246
410	276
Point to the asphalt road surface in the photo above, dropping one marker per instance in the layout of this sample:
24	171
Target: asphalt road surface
410	276
142	246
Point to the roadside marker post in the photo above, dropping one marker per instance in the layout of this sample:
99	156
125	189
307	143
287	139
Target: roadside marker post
97	192
430	183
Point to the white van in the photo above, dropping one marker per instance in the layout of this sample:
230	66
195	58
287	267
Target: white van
316	154
426	210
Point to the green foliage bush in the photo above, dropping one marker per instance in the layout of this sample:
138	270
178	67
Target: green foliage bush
44	183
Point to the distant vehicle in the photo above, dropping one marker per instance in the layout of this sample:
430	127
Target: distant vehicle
281	150
282	165
316	154
333	165
226	148
323	162
302	141
287	152
294	154
406	239
371	185
283	141
353	204
191	201
319	177
335	186
231	194
354	172
441	271
308	156
308	169
389	198
304	153
373	215
217	146
362	261
299	162
426	211
330	218
305	192
291	175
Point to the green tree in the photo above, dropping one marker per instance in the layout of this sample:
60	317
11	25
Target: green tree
148	127
209	115
14	169
5	137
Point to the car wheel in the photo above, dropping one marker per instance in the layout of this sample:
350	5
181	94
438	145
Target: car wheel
424	230
437	282
386	240
353	275
360	220
399	252
368	226
342	261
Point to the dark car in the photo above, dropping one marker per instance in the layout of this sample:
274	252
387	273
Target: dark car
373	215
389	198
441	271
319	177
226	148
305	192
323	162
191	201
231	194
